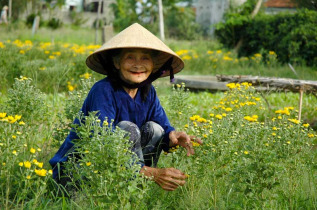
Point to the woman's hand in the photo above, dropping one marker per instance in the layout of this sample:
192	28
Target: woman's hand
167	178
184	140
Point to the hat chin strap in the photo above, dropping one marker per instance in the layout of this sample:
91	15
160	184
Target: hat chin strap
151	78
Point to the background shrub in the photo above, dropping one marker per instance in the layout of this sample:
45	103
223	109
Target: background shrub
291	36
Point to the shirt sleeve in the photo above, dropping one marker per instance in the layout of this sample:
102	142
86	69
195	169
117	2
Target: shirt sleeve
158	115
101	99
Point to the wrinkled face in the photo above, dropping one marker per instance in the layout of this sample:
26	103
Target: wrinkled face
135	65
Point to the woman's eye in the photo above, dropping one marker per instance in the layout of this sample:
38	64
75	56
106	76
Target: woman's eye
146	58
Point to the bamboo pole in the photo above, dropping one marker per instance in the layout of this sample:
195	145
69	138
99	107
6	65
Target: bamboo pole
10	10
160	6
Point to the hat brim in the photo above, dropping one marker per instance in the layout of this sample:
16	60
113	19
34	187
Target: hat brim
94	63
137	37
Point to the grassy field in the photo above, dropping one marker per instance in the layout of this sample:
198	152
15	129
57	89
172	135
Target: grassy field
256	155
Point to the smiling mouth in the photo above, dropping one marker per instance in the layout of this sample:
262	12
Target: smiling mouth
136	73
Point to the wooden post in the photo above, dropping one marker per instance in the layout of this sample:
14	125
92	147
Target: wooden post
161	18
10	10
107	33
301	92
36	24
97	21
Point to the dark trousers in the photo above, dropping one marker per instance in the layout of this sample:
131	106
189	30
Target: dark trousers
146	142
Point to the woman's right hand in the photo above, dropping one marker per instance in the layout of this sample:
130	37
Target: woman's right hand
167	178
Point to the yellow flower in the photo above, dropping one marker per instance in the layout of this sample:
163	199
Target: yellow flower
41	172
32	150
18	132
274	128
186	57
228	109
3	114
251	119
56	53
11	119
186	125
28	177
246	152
218	116
288	142
22	52
14	152
70	87
42	68
86	75
181	52
3	164
273	134
14	137
21	123
27	164
21	164
294	121
195	144
310	135
51	57
40	164
306	125
17	117
105	123
88	164
50	172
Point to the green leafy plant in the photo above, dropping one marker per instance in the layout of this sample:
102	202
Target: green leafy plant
103	165
26	100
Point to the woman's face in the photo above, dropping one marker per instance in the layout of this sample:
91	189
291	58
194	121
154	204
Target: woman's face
135	65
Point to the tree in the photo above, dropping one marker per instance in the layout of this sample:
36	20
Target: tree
177	19
309	4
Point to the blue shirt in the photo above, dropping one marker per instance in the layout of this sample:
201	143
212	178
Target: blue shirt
117	105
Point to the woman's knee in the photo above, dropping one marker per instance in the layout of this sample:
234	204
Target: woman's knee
151	130
131	128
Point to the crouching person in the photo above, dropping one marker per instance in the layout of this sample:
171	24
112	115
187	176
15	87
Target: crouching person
132	60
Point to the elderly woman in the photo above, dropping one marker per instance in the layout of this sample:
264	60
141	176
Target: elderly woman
132	60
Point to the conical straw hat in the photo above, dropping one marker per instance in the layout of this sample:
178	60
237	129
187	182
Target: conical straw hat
135	36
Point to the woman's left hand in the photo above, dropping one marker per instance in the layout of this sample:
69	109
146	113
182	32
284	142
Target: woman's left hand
182	139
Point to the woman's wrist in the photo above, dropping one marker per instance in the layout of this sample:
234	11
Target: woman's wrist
149	171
